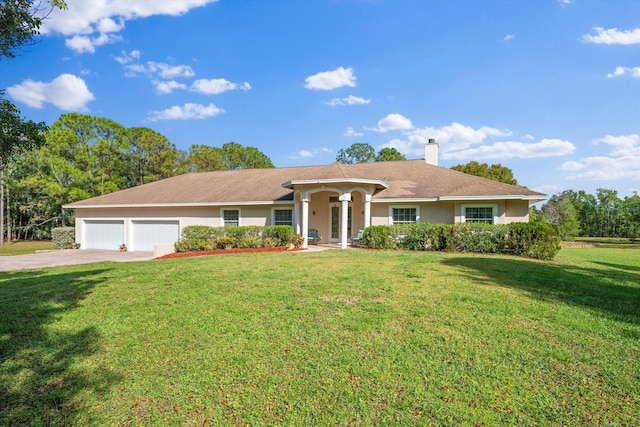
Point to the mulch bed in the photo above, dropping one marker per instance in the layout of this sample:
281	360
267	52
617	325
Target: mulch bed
227	251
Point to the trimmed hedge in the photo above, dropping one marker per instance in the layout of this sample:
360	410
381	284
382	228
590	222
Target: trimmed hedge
205	238
63	237
532	240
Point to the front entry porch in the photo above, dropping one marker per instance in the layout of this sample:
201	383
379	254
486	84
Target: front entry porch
338	211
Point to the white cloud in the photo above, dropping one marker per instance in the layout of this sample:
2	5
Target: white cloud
96	19
452	137
217	86
612	36
351	132
393	122
349	100
603	168
162	69
328	80
108	25
458	141
623	162
164	87
67	92
186	112
509	37
126	58
565	2
622	145
305	154
547	189
84	44
511	149
620	71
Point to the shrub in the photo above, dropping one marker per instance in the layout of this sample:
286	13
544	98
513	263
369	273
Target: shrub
282	235
249	243
189	245
267	242
63	237
297	240
204	237
226	242
533	240
377	237
198	232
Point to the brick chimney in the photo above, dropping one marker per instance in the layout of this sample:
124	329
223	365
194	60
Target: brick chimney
431	152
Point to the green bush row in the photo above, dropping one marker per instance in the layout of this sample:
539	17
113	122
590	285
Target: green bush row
63	237
206	238
532	240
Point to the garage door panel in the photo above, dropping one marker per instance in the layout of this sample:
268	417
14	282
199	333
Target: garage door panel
104	234
147	234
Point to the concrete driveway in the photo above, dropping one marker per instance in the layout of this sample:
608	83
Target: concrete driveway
68	257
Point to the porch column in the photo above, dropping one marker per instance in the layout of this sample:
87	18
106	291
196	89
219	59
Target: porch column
305	221
367	210
344	213
296	218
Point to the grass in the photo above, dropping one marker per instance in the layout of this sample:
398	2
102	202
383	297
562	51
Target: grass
25	247
610	242
329	338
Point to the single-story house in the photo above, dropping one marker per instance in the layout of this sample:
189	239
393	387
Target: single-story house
337	200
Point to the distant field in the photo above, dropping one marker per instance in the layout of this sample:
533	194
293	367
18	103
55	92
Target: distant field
610	242
26	247
351	337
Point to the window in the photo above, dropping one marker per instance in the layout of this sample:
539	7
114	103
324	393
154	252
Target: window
404	215
282	217
231	217
483	214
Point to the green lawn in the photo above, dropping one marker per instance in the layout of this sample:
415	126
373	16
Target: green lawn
25	247
329	338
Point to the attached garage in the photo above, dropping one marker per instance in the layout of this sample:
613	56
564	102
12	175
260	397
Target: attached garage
103	234
148	233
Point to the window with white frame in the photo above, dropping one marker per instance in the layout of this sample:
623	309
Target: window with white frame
231	217
485	214
283	217
404	215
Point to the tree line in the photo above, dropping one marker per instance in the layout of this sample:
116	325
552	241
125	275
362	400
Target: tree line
604	214
575	213
84	156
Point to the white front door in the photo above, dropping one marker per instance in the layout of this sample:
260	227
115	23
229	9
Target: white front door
334	222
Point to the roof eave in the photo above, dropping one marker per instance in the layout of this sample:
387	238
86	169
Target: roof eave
404	200
376	182
537	198
179	205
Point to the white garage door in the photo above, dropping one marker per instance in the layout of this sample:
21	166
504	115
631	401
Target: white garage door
147	234
104	234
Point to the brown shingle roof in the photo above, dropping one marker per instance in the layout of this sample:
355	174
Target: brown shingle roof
413	179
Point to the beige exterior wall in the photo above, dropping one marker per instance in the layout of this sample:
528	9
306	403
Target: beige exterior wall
434	212
517	211
508	211
450	212
445	212
437	212
186	216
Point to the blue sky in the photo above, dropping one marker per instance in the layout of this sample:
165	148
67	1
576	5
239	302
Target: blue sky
548	88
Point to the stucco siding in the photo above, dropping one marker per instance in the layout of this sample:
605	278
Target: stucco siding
437	212
516	211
